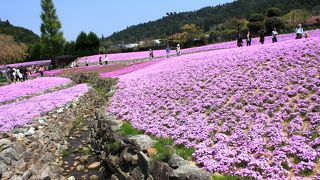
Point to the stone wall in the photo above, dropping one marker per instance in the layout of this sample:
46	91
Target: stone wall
126	158
34	151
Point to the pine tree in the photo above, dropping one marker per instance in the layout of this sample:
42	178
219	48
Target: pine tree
52	40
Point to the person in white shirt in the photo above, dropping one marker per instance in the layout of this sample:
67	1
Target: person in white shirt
178	50
106	59
299	32
274	35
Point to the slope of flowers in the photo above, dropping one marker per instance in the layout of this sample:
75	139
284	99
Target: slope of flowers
97	68
128	69
160	53
35	86
39	62
22	112
252	111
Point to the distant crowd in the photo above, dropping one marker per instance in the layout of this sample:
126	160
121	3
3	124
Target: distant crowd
18	74
300	33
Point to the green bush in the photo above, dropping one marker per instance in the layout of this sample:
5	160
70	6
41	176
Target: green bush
127	129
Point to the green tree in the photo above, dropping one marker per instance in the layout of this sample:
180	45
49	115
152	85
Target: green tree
273	22
69	48
35	52
52	40
93	43
256	23
274	12
256	18
82	44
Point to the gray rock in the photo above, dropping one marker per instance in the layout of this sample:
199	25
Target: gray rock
176	161
190	172
71	178
150	178
45	175
3	167
142	142
114	177
128	160
10	153
161	170
144	163
15	177
80	168
30	132
136	173
4	144
26	175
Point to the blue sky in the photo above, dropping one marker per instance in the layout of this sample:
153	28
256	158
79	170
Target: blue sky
100	16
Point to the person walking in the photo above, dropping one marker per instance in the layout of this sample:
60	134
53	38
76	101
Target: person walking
239	39
299	32
41	71
178	50
168	51
100	60
274	35
106	59
151	56
86	61
262	36
249	38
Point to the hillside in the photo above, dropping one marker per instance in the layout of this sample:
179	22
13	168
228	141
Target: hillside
20	34
206	18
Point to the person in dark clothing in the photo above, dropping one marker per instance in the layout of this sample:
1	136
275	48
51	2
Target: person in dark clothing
262	36
249	39
100	60
239	39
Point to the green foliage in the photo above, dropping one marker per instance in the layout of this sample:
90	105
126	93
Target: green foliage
255	27
185	153
127	129
207	18
87	44
69	48
52	40
221	177
273	22
274	12
294	17
164	148
256	17
35	51
20	34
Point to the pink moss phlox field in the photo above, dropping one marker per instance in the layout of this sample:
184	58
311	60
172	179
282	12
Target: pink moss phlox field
129	69
22	112
39	62
251	111
13	91
160	53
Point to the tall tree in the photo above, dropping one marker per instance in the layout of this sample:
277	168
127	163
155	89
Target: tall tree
93	41
52	39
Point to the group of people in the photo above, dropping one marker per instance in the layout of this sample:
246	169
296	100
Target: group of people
168	50
17	74
299	35
106	59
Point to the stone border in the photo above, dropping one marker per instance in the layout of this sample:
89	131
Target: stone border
34	151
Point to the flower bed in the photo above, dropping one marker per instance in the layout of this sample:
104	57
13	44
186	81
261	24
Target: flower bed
251	111
161	53
38	63
13	91
128	69
23	112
